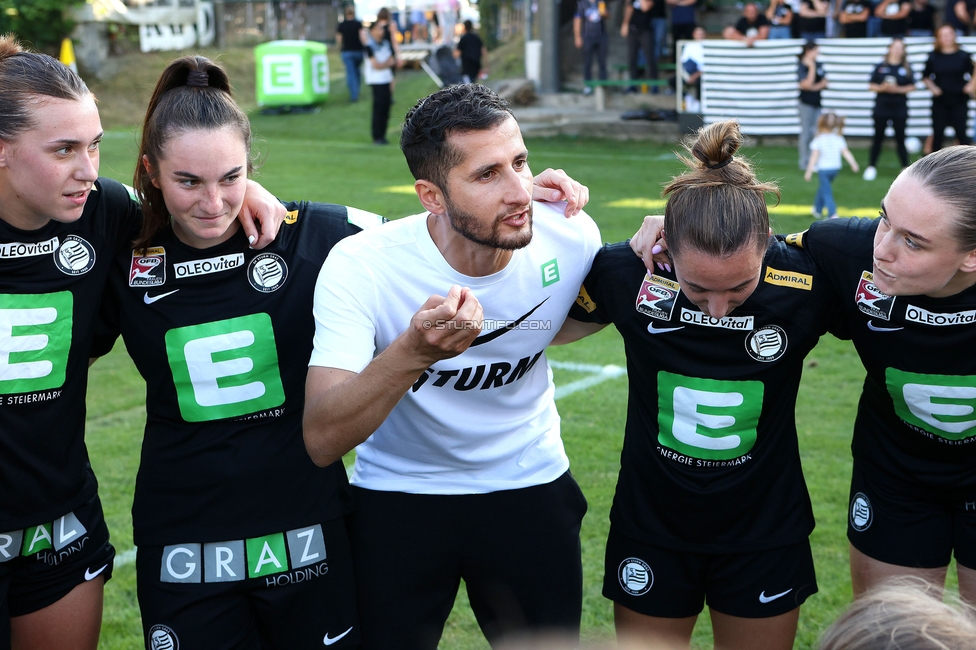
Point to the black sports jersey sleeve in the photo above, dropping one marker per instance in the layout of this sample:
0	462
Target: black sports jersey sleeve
710	460
916	416
222	337
51	282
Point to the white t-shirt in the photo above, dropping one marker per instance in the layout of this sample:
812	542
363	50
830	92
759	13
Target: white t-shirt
830	146
381	52
485	420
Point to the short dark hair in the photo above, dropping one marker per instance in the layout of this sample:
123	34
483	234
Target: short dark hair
455	109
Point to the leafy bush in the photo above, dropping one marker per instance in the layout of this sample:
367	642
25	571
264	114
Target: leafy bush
41	23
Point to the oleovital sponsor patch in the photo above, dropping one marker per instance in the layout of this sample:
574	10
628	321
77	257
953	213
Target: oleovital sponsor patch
209	265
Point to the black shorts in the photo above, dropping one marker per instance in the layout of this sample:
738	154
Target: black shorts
907	525
518	552
41	564
293	589
666	583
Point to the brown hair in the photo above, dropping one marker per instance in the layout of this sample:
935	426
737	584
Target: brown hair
830	122
25	79
192	93
718	206
938	44
948	173
902	614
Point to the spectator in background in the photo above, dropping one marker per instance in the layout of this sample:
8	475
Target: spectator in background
949	74
874	23
826	152
418	26
379	75
692	66
392	35
921	19
683	21
751	27
964	13
473	54
894	17
854	16
659	23
810	73
590	35
813	19
636	28
780	16
961	14
351	50
892	80
907	612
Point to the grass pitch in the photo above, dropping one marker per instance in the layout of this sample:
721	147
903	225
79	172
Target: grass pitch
329	156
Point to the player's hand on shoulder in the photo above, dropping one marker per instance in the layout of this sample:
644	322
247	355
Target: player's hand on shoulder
554	185
445	326
649	243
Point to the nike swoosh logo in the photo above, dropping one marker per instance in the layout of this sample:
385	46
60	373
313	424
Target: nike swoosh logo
151	299
329	641
763	598
491	336
661	330
91	576
875	328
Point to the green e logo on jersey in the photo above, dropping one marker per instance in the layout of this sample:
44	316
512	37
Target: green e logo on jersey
35	338
943	405
708	418
226	368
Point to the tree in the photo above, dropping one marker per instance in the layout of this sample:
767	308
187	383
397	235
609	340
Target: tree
41	23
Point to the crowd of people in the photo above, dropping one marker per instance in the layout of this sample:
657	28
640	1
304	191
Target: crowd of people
271	351
813	19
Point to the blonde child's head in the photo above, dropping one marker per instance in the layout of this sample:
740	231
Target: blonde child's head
830	123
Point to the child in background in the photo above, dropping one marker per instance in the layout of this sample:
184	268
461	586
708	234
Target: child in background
378	71
826	150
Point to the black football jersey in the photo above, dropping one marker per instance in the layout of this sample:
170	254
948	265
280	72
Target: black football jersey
710	461
917	413
51	282
222	337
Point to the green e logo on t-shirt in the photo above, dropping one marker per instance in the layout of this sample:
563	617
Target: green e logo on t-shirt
35	338
225	368
708	418
943	405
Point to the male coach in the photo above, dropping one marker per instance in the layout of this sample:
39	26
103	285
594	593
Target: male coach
460	469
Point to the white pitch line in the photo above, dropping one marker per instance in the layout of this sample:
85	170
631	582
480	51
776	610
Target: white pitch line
598	375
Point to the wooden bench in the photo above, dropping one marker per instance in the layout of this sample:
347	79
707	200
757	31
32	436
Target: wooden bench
599	84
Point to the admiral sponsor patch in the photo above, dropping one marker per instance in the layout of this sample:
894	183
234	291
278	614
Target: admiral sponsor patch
267	272
768	343
693	317
926	317
584	300
75	256
208	265
291	217
148	267
871	300
14	250
657	296
788	279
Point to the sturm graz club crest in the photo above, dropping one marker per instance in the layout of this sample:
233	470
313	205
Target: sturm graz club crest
767	343
861	512
267	272
635	576
74	256
161	637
